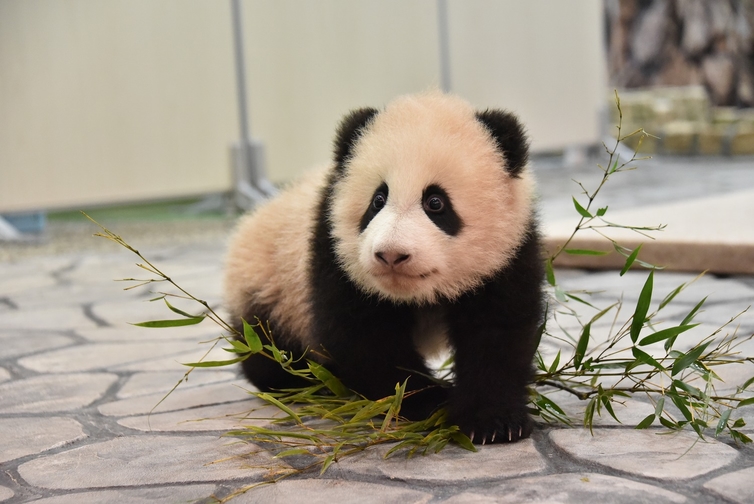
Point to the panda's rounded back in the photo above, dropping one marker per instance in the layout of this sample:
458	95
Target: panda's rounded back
269	256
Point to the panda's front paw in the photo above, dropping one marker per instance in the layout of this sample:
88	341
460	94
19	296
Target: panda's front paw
487	428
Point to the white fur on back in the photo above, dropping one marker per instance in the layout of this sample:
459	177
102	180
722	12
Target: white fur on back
269	257
416	142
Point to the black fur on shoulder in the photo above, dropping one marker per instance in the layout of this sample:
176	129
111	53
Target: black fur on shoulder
348	132
510	136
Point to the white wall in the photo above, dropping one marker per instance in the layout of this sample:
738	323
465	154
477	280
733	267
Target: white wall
113	100
105	101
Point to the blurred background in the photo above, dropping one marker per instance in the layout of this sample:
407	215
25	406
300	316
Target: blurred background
133	107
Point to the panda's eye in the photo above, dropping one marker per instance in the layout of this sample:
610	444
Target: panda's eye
434	204
379	201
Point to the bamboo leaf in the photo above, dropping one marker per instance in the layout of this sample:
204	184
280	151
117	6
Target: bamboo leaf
555	363
617	158
238	347
669	423
665	334
329	380
630	260
723	422
463	441
251	337
747	383
589	414
176	310
690	389
642	306
681	404
693	312
328	460
582	345
649	420
172	322
645	358
578	299
660	407
560	294
550	272
609	408
586	252
215	363
372	409
667	299
746	402
545	402
580	209
601	211
268	398
687	359
293	451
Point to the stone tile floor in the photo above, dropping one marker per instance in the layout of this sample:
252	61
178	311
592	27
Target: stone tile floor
77	385
80	389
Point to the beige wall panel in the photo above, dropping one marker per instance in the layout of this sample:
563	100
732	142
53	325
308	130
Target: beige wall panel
310	62
104	101
542	59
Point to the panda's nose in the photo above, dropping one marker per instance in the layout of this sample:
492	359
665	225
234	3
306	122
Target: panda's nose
392	258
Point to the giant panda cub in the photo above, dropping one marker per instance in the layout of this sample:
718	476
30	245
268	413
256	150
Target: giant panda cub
420	235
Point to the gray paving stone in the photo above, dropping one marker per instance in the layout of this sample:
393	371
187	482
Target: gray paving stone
571	488
68	295
179	399
736	486
25	266
47	318
649	453
323	491
147	460
177	361
109	356
129	333
21	342
54	392
162	381
452	466
183	493
5	493
222	417
26	436
4	375
19	283
102	269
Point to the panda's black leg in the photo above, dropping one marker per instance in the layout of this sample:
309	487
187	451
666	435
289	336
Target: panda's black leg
493	330
264	373
372	350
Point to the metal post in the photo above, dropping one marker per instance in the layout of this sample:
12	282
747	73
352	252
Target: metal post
251	184
442	32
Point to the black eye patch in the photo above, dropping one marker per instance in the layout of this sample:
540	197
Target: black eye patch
438	207
378	201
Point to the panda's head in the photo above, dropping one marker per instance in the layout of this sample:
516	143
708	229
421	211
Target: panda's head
430	197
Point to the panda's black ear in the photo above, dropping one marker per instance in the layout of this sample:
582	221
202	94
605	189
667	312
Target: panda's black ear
510	136
348	132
